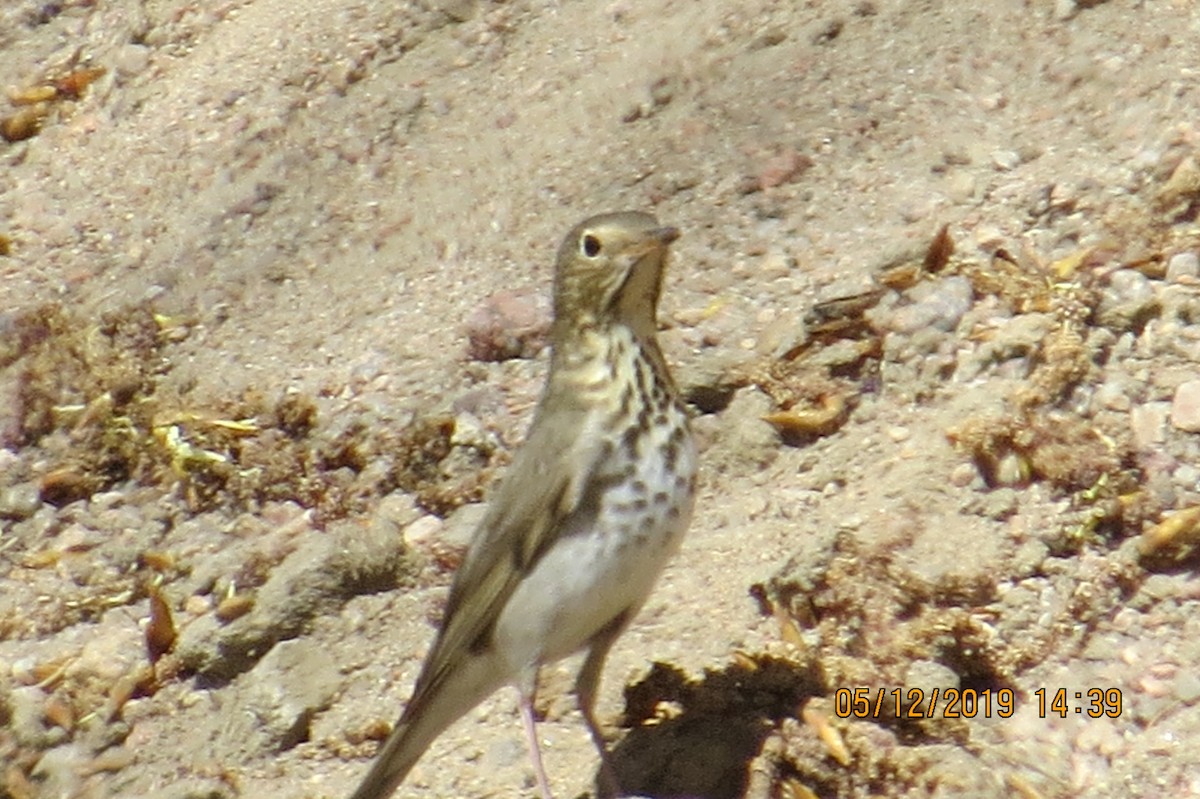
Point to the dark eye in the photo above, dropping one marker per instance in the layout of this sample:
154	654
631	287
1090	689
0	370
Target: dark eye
590	246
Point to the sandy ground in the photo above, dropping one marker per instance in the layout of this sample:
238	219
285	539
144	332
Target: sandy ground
245	246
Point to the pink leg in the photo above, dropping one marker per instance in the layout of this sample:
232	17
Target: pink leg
534	750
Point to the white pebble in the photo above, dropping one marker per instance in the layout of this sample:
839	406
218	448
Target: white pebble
421	530
1185	407
1183	265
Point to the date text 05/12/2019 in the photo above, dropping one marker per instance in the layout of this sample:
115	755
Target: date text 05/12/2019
952	703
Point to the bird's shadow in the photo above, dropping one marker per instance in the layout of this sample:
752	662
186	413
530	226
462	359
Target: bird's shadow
694	738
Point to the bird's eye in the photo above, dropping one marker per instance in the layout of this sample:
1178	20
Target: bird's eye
590	246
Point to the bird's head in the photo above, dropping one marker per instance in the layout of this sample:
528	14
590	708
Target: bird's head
610	271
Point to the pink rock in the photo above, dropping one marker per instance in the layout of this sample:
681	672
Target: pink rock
783	168
1185	408
1148	423
508	324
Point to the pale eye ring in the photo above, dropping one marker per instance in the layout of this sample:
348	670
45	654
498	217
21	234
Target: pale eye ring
589	245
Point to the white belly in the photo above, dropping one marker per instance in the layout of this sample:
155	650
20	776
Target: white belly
589	577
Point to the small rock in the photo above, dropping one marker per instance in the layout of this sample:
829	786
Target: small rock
963	475
708	380
1187	476
1181	189
287	688
1180	303
962	186
59	772
1113	396
469	432
1161	586
1065	9
826	31
786	167
20	501
744	440
1028	558
1127	302
776	264
1187	687
1006	160
27	721
769	38
77	538
459	527
928	675
1016	337
1103	648
1148	423
421	530
1185	407
323	568
131	59
1183	265
934	304
989	238
508	324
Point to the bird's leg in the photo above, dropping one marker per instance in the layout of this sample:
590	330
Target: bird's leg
585	693
531	735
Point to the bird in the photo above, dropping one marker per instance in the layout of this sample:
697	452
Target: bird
596	501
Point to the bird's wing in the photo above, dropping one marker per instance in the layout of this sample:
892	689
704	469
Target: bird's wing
545	486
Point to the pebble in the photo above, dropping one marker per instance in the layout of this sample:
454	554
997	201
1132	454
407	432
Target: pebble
459	527
744	441
286	689
26	722
1113	396
1006	160
1065	9
776	264
1017	337
197	605
1161	586
1185	407
1183	265
785	167
1104	648
421	530
1187	476
1181	303
1187	687
19	501
131	60
709	379
963	475
938	305
506	325
1029	557
1181	187
1127	301
60	771
962	186
929	674
1148	423
989	237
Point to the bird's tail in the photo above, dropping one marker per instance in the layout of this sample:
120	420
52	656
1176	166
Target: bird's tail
428	714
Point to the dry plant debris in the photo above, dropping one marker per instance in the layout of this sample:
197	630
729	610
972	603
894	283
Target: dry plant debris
34	104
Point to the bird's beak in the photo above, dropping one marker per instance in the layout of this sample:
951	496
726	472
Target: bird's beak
665	235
